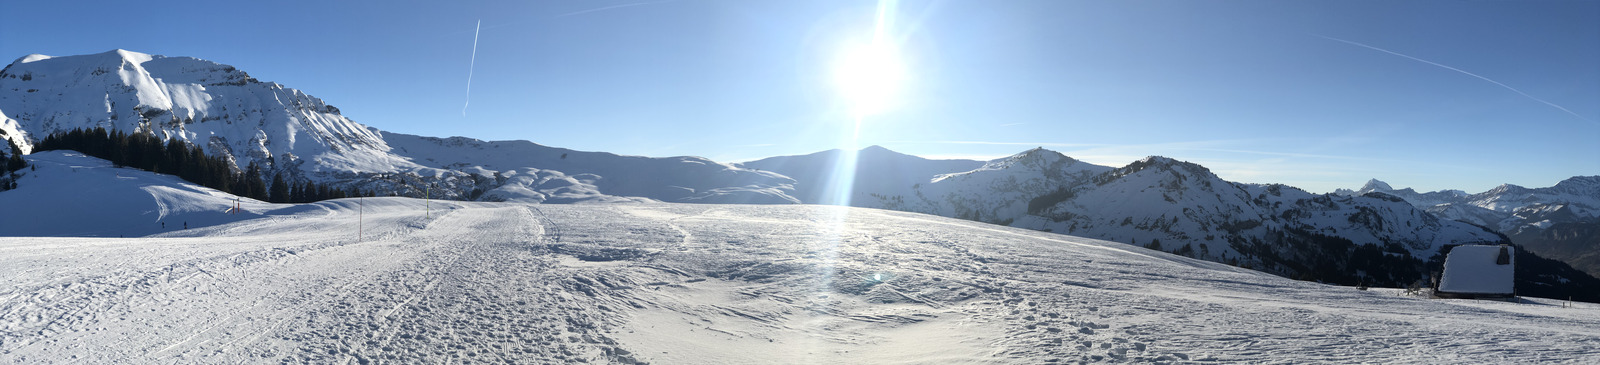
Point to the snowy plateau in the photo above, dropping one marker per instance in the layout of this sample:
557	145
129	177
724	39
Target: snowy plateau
404	280
1024	259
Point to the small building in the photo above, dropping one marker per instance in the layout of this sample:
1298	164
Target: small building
1479	271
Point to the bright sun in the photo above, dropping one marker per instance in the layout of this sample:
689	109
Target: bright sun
868	77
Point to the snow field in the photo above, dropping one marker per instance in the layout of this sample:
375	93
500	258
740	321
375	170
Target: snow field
674	283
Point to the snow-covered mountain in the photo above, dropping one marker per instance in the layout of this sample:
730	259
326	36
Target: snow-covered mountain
878	172
231	114
526	165
1177	206
1506	207
1561	221
207	104
999	191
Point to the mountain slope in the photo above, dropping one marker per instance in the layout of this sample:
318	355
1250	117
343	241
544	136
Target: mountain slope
69	194
878	171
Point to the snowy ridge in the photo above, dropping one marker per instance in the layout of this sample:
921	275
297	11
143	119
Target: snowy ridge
672	179
1179	206
1184	203
878	172
997	192
1505	207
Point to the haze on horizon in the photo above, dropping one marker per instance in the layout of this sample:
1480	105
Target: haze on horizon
1318	95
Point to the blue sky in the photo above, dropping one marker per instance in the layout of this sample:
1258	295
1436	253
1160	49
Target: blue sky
1314	94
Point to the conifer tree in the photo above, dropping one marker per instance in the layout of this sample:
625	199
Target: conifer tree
280	190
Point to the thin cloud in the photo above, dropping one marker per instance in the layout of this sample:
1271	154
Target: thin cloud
1507	87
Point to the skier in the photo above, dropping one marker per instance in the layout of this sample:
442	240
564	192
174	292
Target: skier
185	224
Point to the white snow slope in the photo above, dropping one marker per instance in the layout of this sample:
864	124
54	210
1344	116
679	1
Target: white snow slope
65	193
410	281
705	284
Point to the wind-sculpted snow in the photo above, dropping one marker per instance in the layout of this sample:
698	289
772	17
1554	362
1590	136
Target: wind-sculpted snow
420	282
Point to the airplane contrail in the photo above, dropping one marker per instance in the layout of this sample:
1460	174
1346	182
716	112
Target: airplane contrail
608	8
1507	87
470	65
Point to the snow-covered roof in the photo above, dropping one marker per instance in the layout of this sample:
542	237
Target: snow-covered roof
1478	269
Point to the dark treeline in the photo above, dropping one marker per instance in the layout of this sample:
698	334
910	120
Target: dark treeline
178	158
10	165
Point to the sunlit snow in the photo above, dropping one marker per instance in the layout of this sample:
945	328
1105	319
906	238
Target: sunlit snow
383	279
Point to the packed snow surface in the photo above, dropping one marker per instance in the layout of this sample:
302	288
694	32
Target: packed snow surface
407	281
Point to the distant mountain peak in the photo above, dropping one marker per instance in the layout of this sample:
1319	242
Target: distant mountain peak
876	148
1168	163
1037	156
1376	185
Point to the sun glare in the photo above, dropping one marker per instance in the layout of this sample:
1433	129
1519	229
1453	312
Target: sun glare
870	74
868	77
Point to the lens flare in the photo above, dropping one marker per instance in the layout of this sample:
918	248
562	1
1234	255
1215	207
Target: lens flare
868	77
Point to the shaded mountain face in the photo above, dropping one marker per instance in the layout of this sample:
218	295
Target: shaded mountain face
1561	222
228	113
878	172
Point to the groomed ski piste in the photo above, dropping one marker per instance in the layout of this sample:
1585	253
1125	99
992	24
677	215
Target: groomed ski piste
402	280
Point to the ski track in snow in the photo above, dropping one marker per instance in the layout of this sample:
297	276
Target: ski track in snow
672	283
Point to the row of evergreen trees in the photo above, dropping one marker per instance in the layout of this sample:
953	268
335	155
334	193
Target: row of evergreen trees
142	150
10	165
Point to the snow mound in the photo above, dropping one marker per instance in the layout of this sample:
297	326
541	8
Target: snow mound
1479	269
